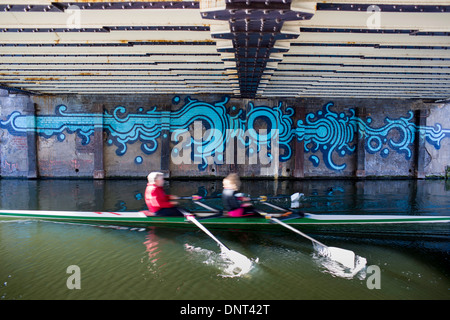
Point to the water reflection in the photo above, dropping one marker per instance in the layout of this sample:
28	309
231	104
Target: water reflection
179	263
163	263
151	244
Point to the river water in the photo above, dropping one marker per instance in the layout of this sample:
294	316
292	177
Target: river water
171	263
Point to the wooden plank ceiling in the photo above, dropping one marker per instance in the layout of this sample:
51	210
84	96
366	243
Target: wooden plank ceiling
244	48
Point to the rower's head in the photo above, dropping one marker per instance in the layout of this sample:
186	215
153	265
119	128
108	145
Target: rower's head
156	178
232	181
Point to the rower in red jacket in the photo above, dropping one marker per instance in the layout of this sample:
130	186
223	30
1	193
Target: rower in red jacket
158	202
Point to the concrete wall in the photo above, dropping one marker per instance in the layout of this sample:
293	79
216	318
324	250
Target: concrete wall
129	136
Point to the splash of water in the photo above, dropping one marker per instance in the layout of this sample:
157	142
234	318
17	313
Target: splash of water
229	262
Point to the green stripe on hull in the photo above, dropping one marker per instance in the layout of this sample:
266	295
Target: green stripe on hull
130	220
372	221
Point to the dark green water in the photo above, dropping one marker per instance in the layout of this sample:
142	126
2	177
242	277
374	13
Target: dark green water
165	263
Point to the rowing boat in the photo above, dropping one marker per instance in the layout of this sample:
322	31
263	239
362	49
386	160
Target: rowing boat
365	225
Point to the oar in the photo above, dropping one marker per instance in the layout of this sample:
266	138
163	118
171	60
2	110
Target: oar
294	197
343	256
265	198
206	206
191	218
242	261
194	197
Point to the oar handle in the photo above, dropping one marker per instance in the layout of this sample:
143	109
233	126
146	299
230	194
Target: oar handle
194	197
265	198
197	197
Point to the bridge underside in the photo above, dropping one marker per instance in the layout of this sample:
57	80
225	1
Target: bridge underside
267	48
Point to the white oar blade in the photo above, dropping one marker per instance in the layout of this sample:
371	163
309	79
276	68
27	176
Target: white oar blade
295	200
343	256
340	262
240	264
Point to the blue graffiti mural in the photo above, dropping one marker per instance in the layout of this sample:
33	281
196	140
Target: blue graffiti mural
333	133
326	131
57	125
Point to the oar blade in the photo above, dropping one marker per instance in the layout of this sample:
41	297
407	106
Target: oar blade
295	200
239	265
342	256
